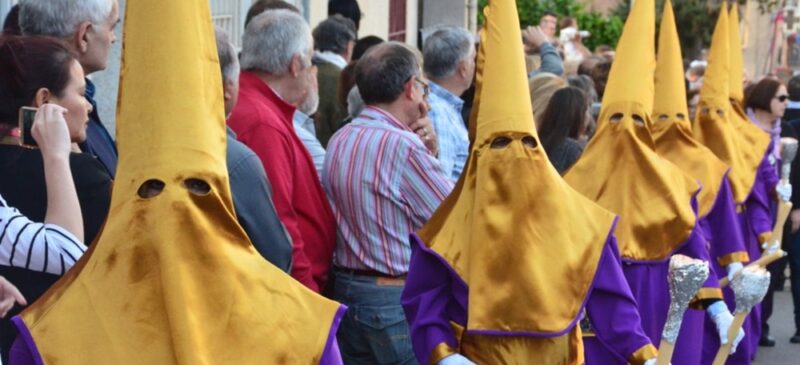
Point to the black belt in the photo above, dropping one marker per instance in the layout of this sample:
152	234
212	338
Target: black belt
371	273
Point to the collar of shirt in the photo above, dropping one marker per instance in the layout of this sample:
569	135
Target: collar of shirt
89	95
249	80
230	132
301	120
333	58
374	113
90	89
446	95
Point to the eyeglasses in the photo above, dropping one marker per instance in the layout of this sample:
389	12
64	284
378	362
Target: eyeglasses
782	98
426	89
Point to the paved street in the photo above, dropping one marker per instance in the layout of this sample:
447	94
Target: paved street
782	324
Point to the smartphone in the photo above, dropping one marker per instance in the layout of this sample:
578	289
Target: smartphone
26	117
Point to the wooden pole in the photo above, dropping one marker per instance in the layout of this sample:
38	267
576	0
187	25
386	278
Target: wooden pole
725	350
665	350
763	262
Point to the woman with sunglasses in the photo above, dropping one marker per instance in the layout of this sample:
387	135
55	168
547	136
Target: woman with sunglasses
766	102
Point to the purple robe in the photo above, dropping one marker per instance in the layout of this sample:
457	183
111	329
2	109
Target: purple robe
649	283
756	219
435	294
25	352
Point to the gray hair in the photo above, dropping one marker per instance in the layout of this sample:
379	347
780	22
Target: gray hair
228	62
60	18
272	39
354	102
334	33
382	73
445	49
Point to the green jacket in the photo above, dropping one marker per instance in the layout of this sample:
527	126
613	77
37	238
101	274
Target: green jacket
330	114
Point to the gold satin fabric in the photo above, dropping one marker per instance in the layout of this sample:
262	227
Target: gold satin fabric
173	279
670	121
756	141
720	124
619	169
512	229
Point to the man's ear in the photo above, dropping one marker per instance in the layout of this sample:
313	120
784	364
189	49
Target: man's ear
408	88
296	65
41	97
80	37
462	69
227	90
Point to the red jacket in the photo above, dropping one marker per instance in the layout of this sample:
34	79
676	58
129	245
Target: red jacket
263	122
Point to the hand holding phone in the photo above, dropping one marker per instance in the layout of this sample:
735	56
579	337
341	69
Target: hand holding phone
50	131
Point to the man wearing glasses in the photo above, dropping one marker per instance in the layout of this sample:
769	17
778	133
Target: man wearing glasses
384	181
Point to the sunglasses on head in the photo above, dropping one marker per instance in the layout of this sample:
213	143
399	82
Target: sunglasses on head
782	98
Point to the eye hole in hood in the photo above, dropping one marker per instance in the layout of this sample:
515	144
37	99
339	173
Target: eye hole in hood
529	142
151	188
197	186
500	143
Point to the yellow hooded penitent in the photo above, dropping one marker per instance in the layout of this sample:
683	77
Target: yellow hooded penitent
716	124
619	168
755	141
173	279
512	229
670	124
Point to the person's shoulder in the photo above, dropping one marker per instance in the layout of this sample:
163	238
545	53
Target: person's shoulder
328	69
87	170
238	154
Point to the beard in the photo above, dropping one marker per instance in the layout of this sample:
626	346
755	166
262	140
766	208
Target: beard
310	104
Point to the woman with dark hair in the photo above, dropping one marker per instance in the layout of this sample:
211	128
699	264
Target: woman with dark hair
766	102
563	125
41	73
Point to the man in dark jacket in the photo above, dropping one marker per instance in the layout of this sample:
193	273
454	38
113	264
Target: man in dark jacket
334	40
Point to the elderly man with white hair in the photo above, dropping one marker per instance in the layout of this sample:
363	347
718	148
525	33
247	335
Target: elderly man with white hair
87	28
277	76
450	66
250	188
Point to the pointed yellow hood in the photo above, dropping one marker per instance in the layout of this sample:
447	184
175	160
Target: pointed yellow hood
720	123
670	85
619	168
173	278
511	218
632	71
670	120
716	79
736	78
755	141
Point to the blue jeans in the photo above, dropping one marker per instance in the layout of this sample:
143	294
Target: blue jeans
374	328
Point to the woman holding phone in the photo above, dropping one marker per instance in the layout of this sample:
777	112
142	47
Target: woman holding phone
70	192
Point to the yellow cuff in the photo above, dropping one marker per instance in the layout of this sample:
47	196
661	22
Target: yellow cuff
441	351
764	237
740	256
643	354
703	294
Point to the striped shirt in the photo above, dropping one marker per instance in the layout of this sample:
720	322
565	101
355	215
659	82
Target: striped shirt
383	185
445	114
36	246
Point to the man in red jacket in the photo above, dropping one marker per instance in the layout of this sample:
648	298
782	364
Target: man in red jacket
277	76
